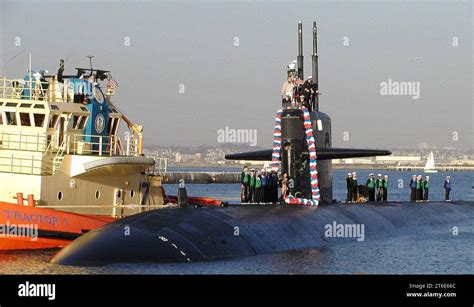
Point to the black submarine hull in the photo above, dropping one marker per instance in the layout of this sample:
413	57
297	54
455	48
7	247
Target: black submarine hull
188	234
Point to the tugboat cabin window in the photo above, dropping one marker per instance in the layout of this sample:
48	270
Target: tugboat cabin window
39	119
115	126
25	119
11	118
82	122
109	125
75	121
52	121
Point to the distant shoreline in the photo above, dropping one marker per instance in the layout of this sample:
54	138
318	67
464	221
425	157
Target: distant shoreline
334	166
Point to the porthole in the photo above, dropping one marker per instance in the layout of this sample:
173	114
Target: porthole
60	195
97	194
132	193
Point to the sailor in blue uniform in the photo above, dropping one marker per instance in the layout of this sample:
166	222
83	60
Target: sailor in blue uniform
447	188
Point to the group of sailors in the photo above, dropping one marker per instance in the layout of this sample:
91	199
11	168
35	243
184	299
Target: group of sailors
377	188
261	186
299	92
419	188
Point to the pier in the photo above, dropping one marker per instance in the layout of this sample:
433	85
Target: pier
202	177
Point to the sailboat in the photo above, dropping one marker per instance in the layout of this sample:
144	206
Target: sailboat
430	164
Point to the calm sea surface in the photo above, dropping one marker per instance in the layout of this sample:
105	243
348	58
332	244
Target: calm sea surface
435	251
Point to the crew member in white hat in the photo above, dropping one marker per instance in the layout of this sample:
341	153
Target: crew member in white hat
370	184
349	187
379	185
385	187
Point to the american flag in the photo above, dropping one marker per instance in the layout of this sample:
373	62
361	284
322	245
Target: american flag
111	83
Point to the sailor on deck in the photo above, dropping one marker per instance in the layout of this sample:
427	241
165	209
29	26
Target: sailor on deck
245	182
251	197
61	71
447	188
355	187
371	187
385	187
413	188
426	187
379	185
349	187
419	188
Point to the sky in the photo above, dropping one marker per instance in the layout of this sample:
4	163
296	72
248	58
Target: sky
187	69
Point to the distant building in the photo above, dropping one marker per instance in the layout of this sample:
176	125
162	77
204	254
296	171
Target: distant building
196	158
353	161
394	159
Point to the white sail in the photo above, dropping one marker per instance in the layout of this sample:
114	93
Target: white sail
430	164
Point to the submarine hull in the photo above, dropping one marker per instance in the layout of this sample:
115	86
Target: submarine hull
187	234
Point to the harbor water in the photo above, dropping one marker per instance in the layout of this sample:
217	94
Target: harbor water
437	250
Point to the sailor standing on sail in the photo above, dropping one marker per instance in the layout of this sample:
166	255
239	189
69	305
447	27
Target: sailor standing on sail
287	90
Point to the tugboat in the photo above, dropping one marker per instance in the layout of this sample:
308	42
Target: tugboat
64	170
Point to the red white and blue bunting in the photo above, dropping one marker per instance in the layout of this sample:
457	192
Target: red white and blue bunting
276	158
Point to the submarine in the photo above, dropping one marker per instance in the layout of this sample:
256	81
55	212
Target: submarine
302	149
293	155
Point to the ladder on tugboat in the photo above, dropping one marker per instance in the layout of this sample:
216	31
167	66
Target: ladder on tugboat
59	157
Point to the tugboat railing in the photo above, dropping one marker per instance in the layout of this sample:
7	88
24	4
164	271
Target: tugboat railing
23	165
99	145
52	91
77	144
24	141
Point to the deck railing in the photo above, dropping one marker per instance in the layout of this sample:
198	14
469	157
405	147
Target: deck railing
52	91
23	141
24	165
52	155
84	144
